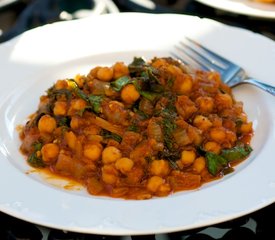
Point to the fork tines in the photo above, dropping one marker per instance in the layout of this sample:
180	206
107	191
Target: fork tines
200	56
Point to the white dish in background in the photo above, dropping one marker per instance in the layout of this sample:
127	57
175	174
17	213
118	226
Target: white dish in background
33	61
245	7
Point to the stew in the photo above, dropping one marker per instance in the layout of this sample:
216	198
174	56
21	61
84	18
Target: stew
137	131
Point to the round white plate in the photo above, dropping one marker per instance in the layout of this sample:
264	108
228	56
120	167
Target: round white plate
33	61
246	7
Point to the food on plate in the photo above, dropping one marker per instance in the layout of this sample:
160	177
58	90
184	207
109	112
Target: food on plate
137	131
265	1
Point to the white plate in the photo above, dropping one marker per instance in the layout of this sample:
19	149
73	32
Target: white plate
246	7
33	61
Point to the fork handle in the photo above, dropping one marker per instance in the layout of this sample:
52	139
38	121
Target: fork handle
266	87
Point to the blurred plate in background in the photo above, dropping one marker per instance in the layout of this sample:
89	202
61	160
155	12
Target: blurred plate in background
245	7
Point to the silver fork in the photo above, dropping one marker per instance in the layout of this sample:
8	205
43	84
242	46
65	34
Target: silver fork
206	59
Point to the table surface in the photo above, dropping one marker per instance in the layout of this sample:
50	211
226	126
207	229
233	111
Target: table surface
257	225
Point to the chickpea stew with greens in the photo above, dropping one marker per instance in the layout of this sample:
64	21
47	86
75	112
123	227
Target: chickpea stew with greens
137	131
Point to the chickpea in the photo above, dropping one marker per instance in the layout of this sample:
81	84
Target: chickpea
217	134
216	121
199	164
94	71
212	147
49	152
159	62
93	138
46	124
160	168
242	117
229	124
71	139
197	134
214	77
246	127
206	104
124	165
109	178
60	108
76	106
61	84
164	189
105	74
154	183
183	84
110	154
188	157
202	122
224	100
92	151
75	122
129	94
79	79
109	174
91	130
231	136
120	69
174	70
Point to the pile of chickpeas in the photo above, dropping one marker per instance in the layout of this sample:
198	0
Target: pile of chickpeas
130	165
